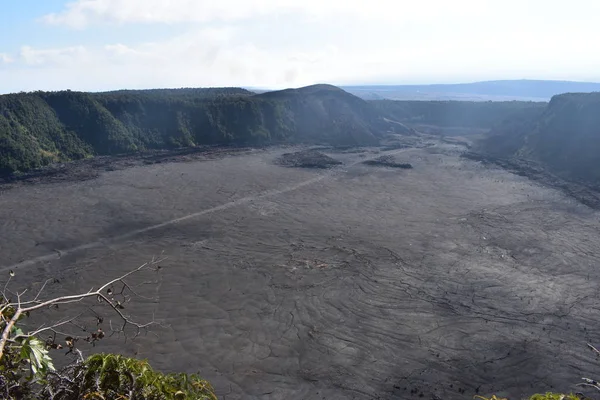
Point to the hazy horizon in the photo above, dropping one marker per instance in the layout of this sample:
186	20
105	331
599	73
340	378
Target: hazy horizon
357	85
100	45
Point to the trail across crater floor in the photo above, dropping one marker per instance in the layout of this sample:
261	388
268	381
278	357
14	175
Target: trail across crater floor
446	280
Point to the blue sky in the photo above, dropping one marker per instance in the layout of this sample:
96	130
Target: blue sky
112	44
21	24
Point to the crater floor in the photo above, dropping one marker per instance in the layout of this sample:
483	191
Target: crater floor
448	279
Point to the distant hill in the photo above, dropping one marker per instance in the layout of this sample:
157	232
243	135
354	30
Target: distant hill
328	112
193	93
43	127
564	137
524	90
470	114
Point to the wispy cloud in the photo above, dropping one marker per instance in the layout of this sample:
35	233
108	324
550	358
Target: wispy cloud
289	52
6	59
207	57
284	43
81	13
54	56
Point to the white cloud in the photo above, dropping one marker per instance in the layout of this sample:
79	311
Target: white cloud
209	57
5	59
48	57
495	14
81	13
335	53
264	43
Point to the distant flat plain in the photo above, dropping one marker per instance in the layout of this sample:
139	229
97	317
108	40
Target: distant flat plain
359	282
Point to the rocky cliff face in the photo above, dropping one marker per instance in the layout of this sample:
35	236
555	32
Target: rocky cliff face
565	137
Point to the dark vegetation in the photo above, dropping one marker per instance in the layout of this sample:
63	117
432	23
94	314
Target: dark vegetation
470	114
387	161
110	376
92	167
104	376
307	159
44	127
564	137
41	128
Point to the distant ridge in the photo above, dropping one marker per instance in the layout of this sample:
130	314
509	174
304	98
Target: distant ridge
564	137
501	90
44	127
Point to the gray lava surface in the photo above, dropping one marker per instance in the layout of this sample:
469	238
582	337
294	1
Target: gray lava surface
387	161
307	159
349	283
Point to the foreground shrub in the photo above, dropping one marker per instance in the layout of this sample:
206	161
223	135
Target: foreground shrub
110	376
545	396
27	370
554	396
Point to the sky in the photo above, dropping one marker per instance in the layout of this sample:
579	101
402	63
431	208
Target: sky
114	44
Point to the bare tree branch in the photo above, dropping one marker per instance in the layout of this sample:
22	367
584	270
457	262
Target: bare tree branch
591	383
47	328
6	286
594	349
42	289
103	294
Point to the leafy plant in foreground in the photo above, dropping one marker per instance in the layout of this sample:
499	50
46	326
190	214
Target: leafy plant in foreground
110	376
27	370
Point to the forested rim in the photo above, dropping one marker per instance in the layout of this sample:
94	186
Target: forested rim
43	127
